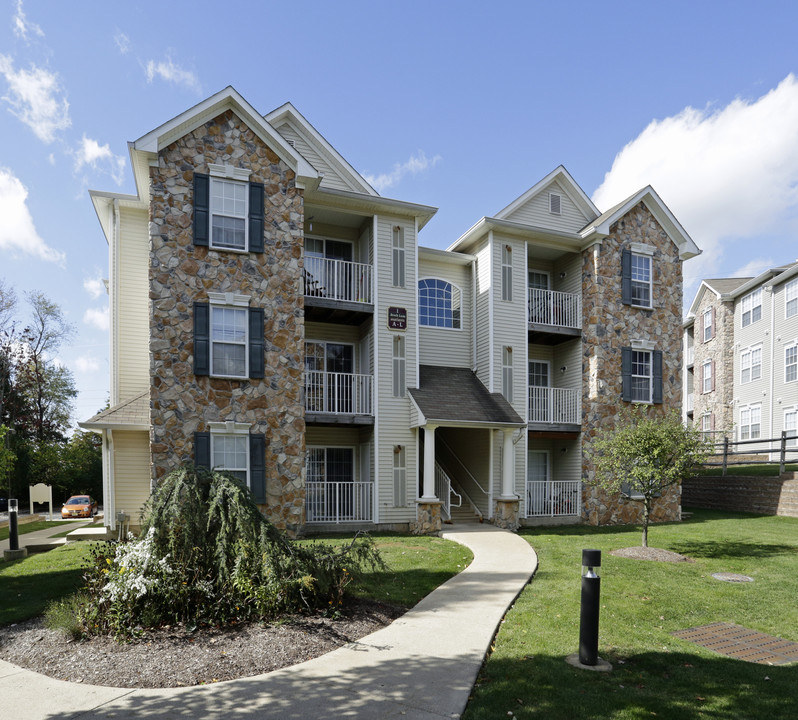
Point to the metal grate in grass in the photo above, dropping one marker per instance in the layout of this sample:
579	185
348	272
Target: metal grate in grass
741	643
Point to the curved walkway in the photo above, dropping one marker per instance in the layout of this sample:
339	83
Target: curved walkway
421	667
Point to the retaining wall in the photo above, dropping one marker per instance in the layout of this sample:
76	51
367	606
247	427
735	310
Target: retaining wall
765	495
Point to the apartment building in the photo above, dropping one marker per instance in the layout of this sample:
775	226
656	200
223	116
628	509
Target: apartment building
273	316
741	359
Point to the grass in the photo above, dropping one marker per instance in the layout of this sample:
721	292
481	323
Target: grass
642	603
28	585
750	470
24	528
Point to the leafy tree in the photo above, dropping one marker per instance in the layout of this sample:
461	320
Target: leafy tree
645	454
83	464
7	455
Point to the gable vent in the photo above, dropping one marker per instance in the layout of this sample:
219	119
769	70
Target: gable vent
291	143
555	202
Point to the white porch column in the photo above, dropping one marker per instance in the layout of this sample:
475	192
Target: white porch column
429	463
508	467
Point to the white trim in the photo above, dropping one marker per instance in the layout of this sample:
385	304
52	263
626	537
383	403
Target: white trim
215	182
547	273
228	172
790	346
638	344
231	299
787	287
491	326
213	306
743	311
231	429
375	329
454	286
749	351
642	248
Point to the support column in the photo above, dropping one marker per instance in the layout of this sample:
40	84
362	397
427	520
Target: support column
429	464
507	504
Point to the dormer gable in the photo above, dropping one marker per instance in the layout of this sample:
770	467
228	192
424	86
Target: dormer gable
556	202
336	173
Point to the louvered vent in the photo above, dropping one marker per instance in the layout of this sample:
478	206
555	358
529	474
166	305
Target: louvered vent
554	203
291	143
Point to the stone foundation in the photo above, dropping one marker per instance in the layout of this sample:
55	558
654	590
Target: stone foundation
602	508
506	514
428	520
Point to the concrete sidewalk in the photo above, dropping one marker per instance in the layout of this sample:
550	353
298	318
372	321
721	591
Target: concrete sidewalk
39	537
421	667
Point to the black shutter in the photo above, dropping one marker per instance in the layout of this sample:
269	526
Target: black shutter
202	450
256	349
626	277
257	466
256	217
626	374
202	339
656	357
201	209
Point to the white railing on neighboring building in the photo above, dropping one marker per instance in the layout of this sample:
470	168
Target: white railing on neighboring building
552	498
337	502
338	393
337	280
549	307
690	355
555	405
690	402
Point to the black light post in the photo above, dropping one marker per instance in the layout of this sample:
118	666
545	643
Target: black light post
589	614
13	525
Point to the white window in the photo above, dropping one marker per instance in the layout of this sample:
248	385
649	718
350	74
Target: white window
750	422
507	373
439	303
229	337
791	298
706	377
399	476
751	364
399	366
791	426
706	426
398	257
507	272
751	306
641	280
230	449
642	376
708	325
229	214
791	363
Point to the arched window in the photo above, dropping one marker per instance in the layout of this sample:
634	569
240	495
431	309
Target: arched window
439	303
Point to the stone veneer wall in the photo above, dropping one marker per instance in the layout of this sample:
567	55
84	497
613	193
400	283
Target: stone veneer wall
182	273
608	326
721	350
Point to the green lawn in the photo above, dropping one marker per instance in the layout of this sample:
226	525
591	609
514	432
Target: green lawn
24	528
655	674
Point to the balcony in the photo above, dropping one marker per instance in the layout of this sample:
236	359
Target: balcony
690	356
554	317
338	398
337	502
690	403
337	290
555	409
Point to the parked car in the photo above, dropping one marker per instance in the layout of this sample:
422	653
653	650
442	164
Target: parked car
80	506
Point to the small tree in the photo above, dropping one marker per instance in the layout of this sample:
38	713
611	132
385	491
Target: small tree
645	454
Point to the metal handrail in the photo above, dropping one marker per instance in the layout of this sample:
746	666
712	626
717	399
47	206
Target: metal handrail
550	307
555	405
338	393
337	279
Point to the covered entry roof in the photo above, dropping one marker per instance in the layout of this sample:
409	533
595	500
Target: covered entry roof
455	396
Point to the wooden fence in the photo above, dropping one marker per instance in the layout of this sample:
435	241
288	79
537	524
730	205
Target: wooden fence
727	452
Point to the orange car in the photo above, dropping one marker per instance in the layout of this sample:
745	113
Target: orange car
80	506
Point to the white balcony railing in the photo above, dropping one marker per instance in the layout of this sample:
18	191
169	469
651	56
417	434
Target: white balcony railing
337	502
549	307
555	405
337	280
690	355
338	393
690	402
552	497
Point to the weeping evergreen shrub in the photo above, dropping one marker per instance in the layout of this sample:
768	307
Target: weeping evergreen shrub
207	555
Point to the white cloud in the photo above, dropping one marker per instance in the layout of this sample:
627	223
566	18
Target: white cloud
99	157
122	43
51	158
22	26
756	267
17	231
169	71
416	164
95	287
99	318
87	364
36	98
726	173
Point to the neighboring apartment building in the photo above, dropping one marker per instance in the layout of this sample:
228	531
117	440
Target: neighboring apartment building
273	316
741	359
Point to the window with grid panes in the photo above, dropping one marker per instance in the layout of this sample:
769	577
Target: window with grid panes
228	214
228	341
439	303
791	363
751	306
641	376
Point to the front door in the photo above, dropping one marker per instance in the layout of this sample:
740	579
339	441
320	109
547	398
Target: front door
538	283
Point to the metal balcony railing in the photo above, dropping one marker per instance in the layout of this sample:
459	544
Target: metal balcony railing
337	280
549	307
552	497
337	502
555	405
690	355
338	393
690	402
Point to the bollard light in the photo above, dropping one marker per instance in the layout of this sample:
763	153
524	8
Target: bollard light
589	614
13	526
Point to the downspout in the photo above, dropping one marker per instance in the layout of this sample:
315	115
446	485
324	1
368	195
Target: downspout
376	390
474	315
109	491
772	358
114	301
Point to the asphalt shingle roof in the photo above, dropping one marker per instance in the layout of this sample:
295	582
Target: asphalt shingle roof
135	411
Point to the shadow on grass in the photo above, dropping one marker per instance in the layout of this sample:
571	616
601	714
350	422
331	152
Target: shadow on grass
730	548
669	685
25	596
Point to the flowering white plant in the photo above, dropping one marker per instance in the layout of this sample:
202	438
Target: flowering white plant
134	570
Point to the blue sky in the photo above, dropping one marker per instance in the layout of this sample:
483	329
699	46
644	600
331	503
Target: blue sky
462	106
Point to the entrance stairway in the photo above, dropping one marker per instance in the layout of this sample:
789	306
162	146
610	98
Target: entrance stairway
464	514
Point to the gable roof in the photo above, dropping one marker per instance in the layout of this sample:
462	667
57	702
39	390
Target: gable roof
132	414
319	149
455	396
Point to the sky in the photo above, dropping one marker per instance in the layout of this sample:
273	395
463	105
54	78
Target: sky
459	105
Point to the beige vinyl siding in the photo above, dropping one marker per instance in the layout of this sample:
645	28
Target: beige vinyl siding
536	211
458	343
131	353
482	300
571	265
569	356
131	472
393	418
332	178
785	335
332	437
332	332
